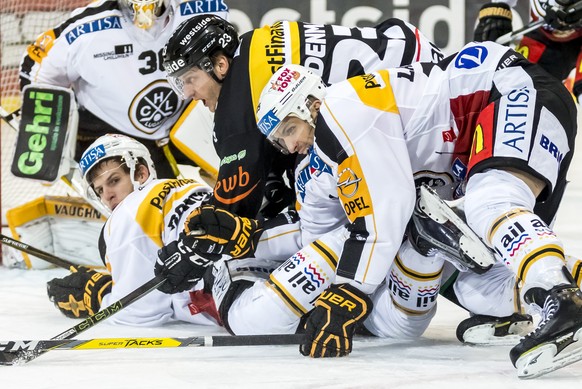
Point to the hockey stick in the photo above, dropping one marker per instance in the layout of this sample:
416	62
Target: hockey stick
513	35
23	356
50	258
37	346
12	119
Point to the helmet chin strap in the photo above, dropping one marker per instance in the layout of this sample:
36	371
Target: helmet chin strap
207	65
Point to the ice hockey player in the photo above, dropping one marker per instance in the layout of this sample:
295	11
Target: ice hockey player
147	213
204	61
556	46
490	118
109	53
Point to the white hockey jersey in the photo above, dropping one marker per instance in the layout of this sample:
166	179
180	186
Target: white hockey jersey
380	135
139	226
114	67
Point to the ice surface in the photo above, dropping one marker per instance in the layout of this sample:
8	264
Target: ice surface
437	360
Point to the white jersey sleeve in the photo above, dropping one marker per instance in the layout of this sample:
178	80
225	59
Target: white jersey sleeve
140	225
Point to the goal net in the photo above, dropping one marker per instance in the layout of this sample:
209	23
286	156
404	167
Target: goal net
21	21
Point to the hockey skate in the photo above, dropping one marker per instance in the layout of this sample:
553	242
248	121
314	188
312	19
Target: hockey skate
486	330
555	342
436	227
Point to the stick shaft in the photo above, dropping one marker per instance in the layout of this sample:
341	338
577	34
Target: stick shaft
23	356
510	37
117	343
50	258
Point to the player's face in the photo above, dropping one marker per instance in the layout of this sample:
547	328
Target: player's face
199	85
112	183
296	135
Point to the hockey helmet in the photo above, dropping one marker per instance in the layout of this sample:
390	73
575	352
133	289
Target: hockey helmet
287	93
115	145
144	13
193	43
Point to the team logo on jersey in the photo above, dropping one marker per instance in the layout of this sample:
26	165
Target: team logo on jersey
353	191
107	23
471	57
202	7
315	167
155	104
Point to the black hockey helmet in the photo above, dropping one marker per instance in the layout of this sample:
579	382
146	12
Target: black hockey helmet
195	41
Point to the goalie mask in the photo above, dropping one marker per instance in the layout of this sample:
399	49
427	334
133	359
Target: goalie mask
192	45
115	145
143	13
287	93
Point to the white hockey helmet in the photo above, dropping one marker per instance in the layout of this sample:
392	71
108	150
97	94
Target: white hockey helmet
144	13
287	93
115	145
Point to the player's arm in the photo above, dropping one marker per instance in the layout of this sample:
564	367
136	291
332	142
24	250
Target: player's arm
242	173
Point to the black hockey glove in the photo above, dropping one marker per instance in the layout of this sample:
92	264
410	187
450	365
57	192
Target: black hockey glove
181	267
278	196
494	21
331	324
565	16
79	294
217	231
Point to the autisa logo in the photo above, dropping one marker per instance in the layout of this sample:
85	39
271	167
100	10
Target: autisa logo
202	7
107	23
516	114
119	51
471	57
432	179
90	157
153	105
268	122
315	168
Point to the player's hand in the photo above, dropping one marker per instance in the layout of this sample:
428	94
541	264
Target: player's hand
219	232
79	294
494	21
181	267
561	15
331	324
277	196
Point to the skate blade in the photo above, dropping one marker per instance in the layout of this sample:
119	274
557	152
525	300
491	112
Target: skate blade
484	335
438	210
543	360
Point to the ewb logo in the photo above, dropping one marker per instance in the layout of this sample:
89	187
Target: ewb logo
471	57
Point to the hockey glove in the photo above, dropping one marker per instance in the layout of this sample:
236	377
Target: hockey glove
181	267
277	196
331	324
217	231
564	16
79	294
494	21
